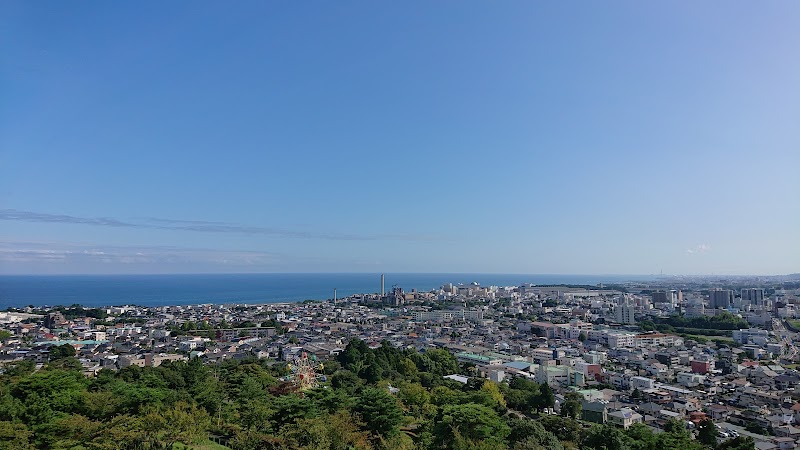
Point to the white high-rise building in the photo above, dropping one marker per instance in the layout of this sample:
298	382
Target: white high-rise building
623	313
676	297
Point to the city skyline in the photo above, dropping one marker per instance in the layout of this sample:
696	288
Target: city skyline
518	138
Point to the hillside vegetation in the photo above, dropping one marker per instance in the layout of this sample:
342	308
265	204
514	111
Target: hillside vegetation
248	407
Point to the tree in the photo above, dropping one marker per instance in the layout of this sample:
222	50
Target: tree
582	337
79	432
564	428
48	392
674	426
408	369
443	395
19	368
379	411
523	384
251	440
471	421
334	432
572	405
372	371
738	443
546	399
416	399
474	383
61	351
642	437
330	400
15	436
676	436
636	394
444	362
755	428
353	354
707	433
184	422
288	409
492	391
68	363
529	434
255	414
346	380
519	399
606	437
100	405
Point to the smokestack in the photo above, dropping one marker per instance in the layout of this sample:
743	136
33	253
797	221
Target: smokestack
382	281
334	296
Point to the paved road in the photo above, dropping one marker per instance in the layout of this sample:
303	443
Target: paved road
742	432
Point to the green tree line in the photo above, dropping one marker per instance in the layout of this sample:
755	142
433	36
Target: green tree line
722	321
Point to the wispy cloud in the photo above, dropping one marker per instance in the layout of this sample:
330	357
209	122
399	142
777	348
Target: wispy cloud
700	248
78	254
181	222
28	216
196	226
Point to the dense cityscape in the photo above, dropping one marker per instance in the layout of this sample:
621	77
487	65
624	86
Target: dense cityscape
595	366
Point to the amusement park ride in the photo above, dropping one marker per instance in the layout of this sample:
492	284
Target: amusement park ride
304	371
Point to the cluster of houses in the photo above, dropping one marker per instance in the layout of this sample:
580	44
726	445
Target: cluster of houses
575	339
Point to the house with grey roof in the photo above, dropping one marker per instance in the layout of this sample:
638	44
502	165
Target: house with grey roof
624	418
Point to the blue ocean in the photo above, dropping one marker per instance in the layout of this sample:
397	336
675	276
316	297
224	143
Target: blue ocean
156	290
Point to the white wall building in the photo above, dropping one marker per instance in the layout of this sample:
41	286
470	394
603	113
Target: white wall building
751	335
624	314
642	383
690	379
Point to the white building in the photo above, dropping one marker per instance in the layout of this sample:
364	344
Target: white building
572	330
594	357
191	344
690	379
654	339
642	383
554	374
621	339
98	335
751	335
624	314
448	315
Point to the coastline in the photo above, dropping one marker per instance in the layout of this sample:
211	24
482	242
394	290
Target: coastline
185	289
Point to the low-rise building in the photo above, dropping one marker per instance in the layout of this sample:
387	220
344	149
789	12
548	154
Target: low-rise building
624	418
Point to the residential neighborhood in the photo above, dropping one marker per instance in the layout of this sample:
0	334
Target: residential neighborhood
633	353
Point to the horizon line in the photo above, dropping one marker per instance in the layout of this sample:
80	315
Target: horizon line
657	275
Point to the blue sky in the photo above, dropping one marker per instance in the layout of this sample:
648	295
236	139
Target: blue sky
508	137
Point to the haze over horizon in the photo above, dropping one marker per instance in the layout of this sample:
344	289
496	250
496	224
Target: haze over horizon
586	138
